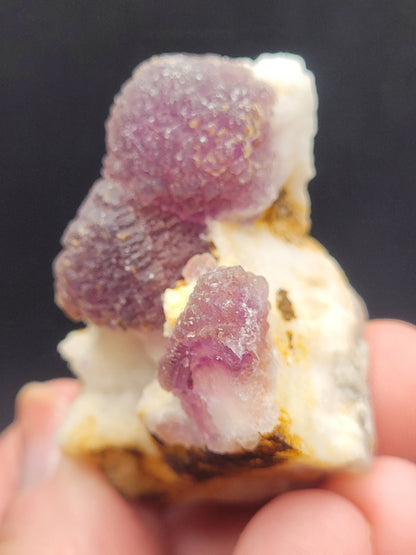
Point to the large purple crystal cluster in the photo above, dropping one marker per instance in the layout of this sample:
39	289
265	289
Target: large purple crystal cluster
218	348
188	138
193	134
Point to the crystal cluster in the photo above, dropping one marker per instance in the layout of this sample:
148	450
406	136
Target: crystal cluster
189	138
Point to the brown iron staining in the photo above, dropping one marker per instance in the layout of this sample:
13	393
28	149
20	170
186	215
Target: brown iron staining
212	248
201	464
287	217
135	474
280	209
289	336
284	305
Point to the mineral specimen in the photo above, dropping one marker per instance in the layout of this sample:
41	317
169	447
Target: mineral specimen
223	355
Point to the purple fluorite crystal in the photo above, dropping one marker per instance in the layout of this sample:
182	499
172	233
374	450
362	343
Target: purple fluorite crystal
217	357
193	135
118	258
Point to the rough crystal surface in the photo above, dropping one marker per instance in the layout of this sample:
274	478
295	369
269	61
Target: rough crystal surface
217	357
193	134
118	258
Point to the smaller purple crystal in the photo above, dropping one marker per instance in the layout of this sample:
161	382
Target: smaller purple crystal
118	258
217	357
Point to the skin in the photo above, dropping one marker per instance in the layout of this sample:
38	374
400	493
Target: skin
51	505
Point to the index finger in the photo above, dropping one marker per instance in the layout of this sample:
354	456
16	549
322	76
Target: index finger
392	381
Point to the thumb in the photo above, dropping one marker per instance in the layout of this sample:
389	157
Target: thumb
63	506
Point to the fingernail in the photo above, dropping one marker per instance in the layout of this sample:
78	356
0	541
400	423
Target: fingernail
37	411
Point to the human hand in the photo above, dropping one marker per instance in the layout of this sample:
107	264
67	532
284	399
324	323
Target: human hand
51	505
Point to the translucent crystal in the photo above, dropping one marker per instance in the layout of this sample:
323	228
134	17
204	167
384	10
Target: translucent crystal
217	358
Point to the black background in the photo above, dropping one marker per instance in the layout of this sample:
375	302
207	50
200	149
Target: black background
61	64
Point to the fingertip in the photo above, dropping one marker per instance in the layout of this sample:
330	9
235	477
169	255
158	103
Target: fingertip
40	410
77	511
205	529
390	324
60	391
386	495
28	452
10	459
307	521
392	381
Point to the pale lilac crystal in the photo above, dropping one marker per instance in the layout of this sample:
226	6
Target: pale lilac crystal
218	353
118	258
193	134
198	265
